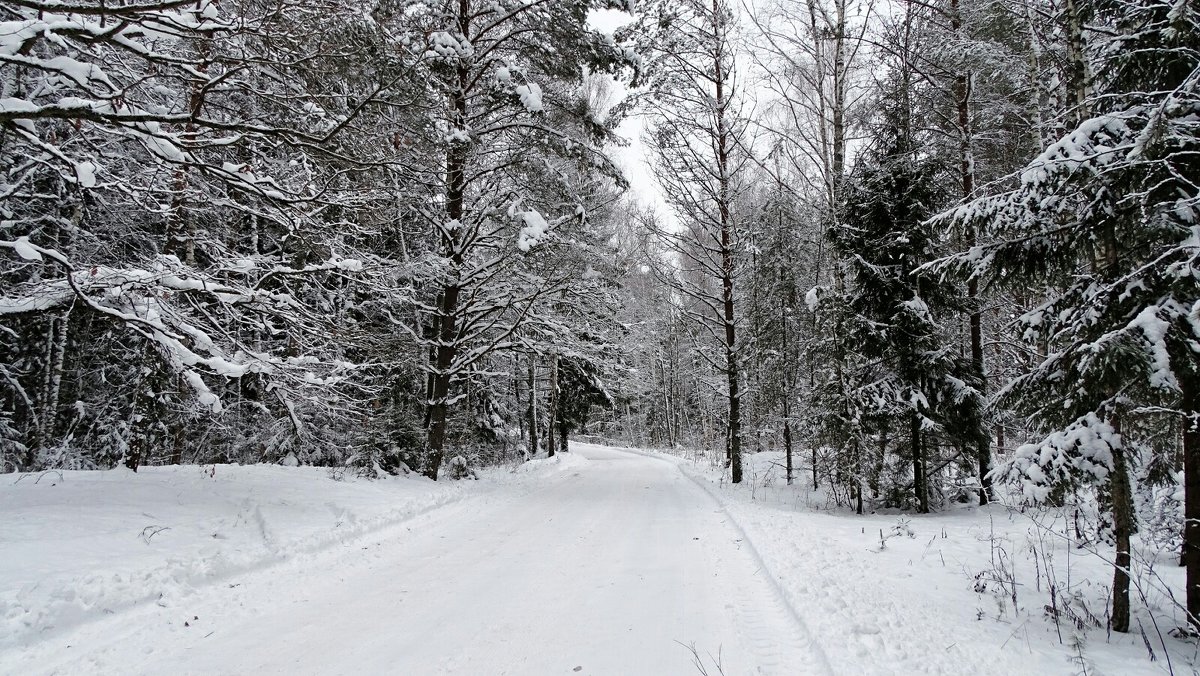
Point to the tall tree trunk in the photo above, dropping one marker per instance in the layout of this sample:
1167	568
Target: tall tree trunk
1122	507
532	411
787	393
181	224
732	369
1038	100
438	405
552	412
735	413
1079	84
447	345
839	99
48	395
966	163
1191	496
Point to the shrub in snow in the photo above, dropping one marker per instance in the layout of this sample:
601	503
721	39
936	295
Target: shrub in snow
458	468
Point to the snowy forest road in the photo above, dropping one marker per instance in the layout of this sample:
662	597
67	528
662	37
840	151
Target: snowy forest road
615	566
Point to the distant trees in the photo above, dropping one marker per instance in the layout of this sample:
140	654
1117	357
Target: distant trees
696	135
1037	324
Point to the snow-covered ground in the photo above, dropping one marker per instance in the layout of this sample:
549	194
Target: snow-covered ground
934	594
602	561
599	562
80	545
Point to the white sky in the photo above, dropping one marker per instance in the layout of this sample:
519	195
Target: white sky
632	158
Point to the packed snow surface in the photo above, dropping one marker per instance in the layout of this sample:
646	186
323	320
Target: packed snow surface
600	561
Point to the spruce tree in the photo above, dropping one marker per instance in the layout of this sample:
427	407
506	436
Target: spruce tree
907	373
1106	217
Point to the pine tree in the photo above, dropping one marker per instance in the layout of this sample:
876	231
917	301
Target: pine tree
903	372
696	131
495	70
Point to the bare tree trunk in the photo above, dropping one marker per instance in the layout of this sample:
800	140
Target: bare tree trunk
787	393
1191	497
552	412
816	483
839	98
856	479
732	370
787	444
517	392
181	225
438	406
920	482
48	405
1038	100
532	412
1079	85
1122	507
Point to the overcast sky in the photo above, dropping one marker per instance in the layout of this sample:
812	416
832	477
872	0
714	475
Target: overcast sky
632	158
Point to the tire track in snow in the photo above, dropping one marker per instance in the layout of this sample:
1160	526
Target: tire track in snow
748	609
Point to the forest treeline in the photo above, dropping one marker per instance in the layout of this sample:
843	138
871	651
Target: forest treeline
922	248
322	231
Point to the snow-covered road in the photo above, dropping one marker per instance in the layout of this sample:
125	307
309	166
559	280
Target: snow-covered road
612	567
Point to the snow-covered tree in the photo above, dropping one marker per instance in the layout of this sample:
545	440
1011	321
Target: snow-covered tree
1106	217
696	133
908	374
494	70
170	219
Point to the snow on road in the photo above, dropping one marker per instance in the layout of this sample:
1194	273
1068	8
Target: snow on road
615	566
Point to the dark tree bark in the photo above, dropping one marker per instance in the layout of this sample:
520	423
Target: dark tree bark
962	98
517	391
787	444
816	484
856	487
532	411
1191	497
1122	507
552	412
732	369
447	348
920	482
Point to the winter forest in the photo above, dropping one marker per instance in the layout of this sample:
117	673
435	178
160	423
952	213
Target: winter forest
885	258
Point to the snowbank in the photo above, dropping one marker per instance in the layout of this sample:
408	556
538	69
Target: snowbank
81	544
545	467
934	594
